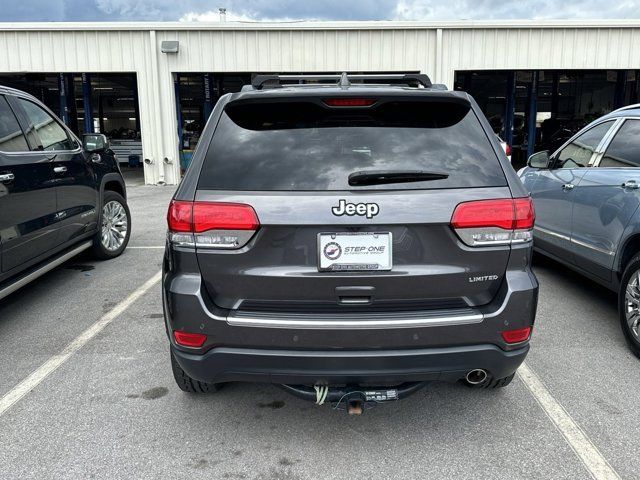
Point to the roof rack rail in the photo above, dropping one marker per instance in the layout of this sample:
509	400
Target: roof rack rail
343	80
627	107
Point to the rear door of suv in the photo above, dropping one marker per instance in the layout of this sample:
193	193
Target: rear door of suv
335	231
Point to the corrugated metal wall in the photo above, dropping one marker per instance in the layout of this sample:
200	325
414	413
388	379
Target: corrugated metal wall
438	50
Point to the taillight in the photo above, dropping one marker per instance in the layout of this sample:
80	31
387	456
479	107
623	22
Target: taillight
494	222
211	224
507	149
349	102
186	339
516	336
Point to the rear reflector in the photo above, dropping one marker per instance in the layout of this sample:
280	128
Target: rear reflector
494	222
516	336
349	102
186	339
211	224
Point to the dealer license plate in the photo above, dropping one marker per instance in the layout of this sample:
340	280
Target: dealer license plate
354	251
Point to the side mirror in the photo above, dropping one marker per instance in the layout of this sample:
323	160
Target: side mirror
94	142
539	160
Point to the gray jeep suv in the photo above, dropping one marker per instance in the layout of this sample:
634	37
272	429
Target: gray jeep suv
586	196
345	234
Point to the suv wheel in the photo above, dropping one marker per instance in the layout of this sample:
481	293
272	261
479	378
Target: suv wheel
629	304
115	230
188	384
490	382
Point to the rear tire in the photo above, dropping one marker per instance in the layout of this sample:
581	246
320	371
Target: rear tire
491	383
629	304
188	384
115	227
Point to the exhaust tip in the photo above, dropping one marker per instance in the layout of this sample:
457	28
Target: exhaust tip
477	376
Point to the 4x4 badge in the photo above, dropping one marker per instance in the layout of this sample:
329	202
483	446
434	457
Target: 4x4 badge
369	210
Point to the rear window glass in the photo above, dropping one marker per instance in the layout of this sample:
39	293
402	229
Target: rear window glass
305	147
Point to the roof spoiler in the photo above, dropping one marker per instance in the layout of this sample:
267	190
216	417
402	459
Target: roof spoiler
343	80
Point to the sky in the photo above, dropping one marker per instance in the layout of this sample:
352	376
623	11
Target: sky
296	10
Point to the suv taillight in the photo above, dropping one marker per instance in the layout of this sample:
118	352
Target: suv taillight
211	224
494	222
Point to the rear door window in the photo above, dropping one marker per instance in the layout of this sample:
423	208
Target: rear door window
11	137
305	147
624	149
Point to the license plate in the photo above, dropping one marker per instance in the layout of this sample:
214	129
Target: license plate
354	251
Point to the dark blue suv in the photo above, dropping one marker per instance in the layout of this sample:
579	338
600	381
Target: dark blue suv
586	196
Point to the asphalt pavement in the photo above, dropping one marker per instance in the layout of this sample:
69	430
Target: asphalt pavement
112	410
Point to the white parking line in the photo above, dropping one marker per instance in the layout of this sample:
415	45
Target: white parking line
593	460
149	247
33	380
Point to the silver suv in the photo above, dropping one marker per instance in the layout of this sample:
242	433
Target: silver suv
331	235
587	196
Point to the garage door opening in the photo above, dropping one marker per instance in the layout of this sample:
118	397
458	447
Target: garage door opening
92	103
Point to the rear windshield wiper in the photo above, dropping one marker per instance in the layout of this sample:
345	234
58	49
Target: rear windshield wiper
381	177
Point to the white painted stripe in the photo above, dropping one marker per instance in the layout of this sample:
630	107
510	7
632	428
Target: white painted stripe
588	453
149	247
38	375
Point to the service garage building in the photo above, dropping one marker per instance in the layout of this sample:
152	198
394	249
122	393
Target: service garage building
150	87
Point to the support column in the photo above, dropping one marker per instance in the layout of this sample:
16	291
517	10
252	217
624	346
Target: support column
555	94
86	100
176	89
618	96
208	104
62	89
509	113
532	114
71	103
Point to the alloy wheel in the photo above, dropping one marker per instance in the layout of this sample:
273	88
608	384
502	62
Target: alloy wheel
114	225
632	304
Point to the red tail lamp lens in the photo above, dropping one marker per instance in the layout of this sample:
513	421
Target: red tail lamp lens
524	213
350	102
223	216
484	213
180	216
507	214
516	336
186	339
197	217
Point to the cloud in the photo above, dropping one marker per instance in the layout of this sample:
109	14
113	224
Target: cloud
288	10
292	10
521	9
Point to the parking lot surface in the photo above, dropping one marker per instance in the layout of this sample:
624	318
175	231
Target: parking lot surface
111	409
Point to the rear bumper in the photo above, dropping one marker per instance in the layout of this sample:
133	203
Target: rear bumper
377	348
379	367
